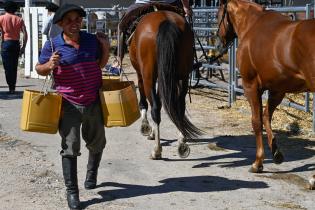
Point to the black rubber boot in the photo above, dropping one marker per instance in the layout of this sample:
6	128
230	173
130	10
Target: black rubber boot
92	168
69	167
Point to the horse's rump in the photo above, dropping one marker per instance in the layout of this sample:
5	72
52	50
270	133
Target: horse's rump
161	51
145	36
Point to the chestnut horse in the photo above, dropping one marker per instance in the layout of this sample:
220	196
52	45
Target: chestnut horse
161	51
274	54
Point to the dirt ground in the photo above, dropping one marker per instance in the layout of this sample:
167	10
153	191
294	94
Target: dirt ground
213	177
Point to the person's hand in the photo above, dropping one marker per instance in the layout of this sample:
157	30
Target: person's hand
54	61
103	39
105	47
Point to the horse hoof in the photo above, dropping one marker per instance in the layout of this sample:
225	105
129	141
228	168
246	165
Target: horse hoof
311	185
155	156
145	129
150	137
254	169
183	150
278	157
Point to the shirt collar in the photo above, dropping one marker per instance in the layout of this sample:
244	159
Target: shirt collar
62	41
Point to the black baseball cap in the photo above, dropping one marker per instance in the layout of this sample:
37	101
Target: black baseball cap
64	9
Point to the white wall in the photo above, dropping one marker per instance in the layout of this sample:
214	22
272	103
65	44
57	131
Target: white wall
33	19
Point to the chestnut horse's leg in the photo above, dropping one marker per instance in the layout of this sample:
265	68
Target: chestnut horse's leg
254	94
274	99
156	117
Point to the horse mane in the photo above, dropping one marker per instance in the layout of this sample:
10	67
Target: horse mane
254	5
261	8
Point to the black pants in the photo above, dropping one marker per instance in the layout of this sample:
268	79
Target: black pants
10	51
87	118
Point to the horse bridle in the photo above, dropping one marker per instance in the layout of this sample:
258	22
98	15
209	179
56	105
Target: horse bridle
225	48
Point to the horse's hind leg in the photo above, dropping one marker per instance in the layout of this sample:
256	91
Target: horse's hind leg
274	99
145	128
253	95
156	117
183	149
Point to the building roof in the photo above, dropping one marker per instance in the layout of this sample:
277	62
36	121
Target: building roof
99	3
21	3
84	3
111	3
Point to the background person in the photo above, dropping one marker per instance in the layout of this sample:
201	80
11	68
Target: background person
49	28
11	25
76	67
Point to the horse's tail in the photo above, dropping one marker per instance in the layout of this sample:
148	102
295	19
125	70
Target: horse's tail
171	89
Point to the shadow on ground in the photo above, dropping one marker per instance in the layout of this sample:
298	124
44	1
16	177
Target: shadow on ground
197	184
17	95
5	96
240	151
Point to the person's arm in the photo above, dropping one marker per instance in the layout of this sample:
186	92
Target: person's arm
1	31
105	47
25	37
186	7
47	60
45	68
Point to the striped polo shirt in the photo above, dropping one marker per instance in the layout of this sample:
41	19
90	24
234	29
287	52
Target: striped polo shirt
78	77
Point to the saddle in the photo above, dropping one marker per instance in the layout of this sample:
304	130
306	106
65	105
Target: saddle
152	7
130	21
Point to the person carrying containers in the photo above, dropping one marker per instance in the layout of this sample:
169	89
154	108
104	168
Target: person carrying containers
75	59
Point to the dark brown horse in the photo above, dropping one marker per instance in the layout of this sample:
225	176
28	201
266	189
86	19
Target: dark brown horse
162	54
274	54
